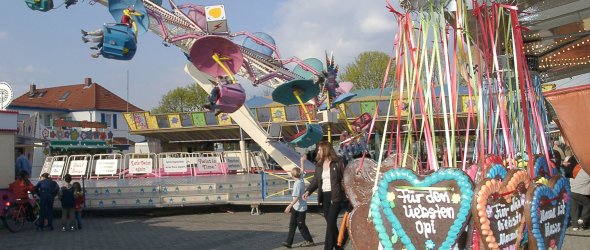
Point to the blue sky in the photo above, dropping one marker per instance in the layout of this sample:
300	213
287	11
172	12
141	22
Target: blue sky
46	47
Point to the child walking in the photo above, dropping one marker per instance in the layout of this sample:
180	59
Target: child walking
66	195
79	195
298	208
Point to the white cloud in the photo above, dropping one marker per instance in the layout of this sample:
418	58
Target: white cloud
3	35
32	69
310	28
376	24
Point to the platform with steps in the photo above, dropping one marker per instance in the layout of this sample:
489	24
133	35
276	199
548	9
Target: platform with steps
183	191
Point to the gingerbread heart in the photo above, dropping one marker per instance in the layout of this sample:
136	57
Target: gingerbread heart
362	232
542	169
405	161
491	160
472	171
358	183
498	210
425	212
496	171
358	186
547	213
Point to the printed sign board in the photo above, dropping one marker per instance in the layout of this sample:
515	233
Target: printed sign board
140	166
174	165
106	166
78	167
57	167
209	165
233	161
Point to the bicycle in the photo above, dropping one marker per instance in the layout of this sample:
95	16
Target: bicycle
18	212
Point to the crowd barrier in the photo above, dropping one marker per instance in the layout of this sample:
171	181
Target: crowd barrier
119	166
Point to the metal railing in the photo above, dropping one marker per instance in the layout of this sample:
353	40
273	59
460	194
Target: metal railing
119	166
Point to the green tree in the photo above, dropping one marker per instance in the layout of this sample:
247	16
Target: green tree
368	70
182	99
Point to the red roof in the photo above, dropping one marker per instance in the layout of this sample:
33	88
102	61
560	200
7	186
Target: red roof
80	97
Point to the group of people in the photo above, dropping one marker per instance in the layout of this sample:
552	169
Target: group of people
579	184
70	195
327	181
97	36
580	193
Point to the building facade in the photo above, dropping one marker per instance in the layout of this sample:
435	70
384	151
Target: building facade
74	119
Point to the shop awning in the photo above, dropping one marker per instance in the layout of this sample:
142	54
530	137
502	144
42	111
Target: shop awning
65	144
26	141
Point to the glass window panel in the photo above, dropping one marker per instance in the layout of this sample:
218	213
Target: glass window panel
293	113
211	119
263	114
186	120
163	121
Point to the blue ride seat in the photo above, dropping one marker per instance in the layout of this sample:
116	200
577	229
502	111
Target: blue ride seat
311	135
40	5
119	42
342	98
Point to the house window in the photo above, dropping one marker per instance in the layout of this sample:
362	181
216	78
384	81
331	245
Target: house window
47	120
64	96
106	118
109	120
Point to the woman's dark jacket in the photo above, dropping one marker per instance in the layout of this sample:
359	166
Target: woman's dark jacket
336	172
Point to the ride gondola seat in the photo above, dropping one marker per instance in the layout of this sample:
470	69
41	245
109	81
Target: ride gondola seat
342	98
119	42
363	121
311	135
40	5
231	97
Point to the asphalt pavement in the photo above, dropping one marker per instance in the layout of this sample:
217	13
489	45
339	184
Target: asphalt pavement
212	228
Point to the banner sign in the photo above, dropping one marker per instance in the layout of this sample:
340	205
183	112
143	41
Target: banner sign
209	165
174	165
140	166
78	124
78	167
233	161
57	168
106	167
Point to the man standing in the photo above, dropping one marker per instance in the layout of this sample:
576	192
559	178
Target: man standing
22	164
47	189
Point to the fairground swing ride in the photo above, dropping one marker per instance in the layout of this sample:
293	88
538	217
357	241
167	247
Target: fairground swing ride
202	34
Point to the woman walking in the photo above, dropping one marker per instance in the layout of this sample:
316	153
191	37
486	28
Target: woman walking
328	180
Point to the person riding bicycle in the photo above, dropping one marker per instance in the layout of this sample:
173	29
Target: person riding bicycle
20	190
21	187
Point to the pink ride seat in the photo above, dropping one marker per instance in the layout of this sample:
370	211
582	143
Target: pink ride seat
362	121
231	97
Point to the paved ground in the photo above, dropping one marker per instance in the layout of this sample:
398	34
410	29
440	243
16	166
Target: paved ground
210	229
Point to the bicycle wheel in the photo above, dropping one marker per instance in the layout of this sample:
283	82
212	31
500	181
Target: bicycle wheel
36	214
13	219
